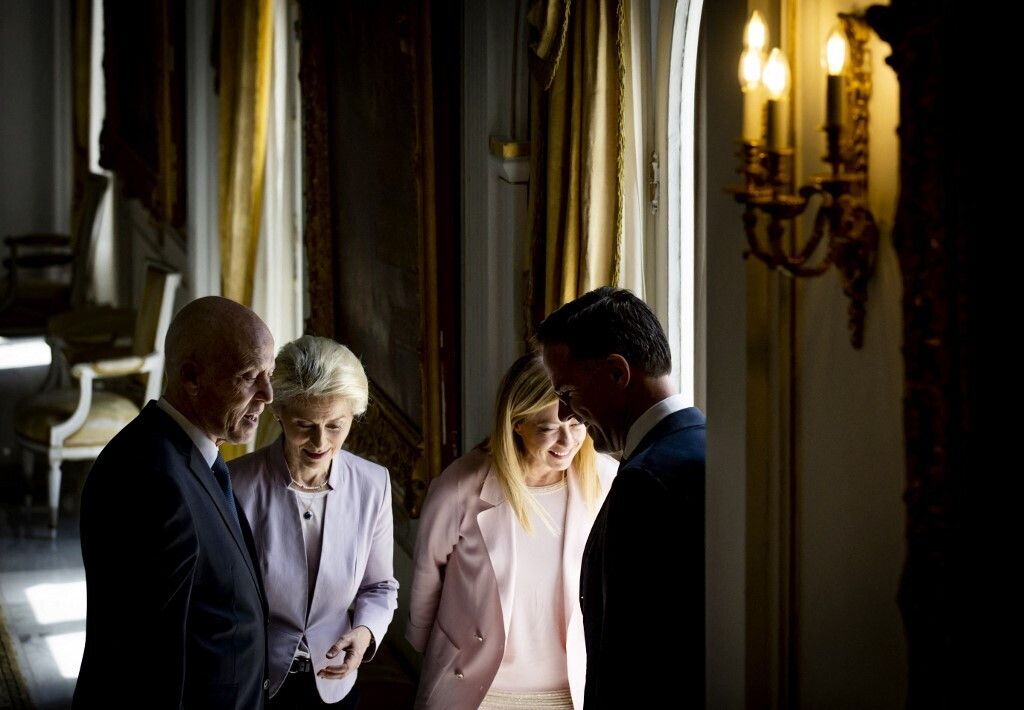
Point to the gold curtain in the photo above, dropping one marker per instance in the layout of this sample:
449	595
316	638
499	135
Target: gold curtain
576	163
246	32
245	63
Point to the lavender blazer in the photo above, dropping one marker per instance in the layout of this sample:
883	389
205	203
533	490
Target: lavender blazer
463	582
355	585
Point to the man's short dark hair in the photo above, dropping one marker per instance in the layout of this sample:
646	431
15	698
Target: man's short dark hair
609	320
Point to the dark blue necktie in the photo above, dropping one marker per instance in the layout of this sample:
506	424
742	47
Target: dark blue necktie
223	476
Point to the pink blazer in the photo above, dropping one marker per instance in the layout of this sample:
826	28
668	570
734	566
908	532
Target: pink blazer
464	569
355	559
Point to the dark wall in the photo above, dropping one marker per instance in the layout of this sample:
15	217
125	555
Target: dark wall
375	193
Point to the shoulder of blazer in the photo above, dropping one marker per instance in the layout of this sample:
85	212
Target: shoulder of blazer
152	441
363	467
460	483
160	424
157	451
371	476
256	470
686	425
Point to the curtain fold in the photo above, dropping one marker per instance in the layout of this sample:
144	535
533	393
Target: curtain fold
277	290
246	61
576	165
637	218
246	31
81	56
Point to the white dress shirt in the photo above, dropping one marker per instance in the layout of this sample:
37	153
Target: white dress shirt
207	447
649	419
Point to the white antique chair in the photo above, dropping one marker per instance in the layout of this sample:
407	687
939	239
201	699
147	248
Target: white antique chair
75	423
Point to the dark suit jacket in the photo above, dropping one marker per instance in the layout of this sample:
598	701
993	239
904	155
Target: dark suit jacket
176	610
645	637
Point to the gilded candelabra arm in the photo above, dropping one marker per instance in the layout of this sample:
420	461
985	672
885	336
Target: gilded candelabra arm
783	209
855	251
780	210
750	230
820	230
756	180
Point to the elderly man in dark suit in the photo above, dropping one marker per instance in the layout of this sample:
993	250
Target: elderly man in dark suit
176	610
610	365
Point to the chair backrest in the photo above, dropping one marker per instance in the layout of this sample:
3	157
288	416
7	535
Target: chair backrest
83	238
153	320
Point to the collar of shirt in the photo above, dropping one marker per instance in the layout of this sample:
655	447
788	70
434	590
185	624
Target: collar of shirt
207	449
649	419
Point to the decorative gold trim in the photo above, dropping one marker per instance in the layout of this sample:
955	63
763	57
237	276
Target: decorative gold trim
430	374
386	436
858	94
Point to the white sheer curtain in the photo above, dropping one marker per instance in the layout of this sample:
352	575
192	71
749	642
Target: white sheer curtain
661	259
103	288
277	290
637	148
278	284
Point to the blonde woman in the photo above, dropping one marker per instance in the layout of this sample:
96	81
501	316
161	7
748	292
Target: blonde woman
321	519
494	606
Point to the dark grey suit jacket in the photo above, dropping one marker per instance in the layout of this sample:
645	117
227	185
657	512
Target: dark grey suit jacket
176	610
645	636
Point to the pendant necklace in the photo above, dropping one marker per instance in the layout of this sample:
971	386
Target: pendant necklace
306	515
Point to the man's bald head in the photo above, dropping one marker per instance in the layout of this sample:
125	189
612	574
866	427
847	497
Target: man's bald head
219	358
209	327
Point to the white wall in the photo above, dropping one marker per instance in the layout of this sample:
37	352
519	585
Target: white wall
718	216
494	214
203	274
850	426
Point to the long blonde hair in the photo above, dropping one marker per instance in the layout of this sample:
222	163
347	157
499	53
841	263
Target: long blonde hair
526	390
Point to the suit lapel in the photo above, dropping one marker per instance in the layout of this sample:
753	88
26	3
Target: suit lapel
204	475
326	581
497	527
197	465
250	544
291	562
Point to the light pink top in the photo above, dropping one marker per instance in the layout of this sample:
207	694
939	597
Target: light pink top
534	658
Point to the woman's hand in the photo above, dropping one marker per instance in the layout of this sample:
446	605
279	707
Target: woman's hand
350	648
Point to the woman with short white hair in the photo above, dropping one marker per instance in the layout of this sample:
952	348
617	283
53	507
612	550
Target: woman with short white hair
321	519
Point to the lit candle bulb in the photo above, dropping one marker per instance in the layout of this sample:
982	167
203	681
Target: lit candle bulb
750	81
755	35
835	62
776	81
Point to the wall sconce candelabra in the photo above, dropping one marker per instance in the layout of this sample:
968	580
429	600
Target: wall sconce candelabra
843	221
